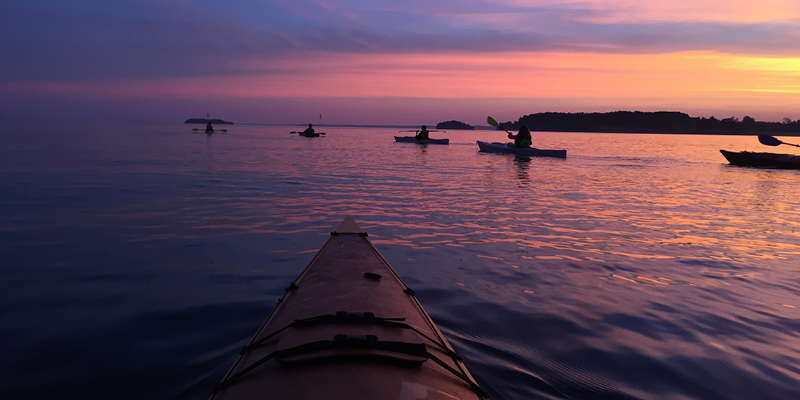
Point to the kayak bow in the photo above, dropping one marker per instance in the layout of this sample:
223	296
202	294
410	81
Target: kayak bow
348	328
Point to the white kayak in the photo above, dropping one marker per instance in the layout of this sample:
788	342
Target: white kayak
520	151
412	139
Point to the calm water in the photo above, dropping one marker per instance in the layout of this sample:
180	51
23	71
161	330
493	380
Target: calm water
137	260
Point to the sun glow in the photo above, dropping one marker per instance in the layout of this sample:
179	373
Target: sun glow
505	75
685	79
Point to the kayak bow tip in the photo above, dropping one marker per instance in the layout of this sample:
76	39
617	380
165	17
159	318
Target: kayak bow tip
349	225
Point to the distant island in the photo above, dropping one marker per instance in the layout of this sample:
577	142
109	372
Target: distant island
453	125
206	120
649	122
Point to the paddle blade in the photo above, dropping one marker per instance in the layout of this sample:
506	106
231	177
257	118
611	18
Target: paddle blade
492	122
769	140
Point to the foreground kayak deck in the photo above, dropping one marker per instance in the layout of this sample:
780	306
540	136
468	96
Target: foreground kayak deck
527	151
412	139
768	160
348	328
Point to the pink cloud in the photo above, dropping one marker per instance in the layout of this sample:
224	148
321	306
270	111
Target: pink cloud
637	11
679	81
324	5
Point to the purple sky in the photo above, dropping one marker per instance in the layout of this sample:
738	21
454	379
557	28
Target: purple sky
403	62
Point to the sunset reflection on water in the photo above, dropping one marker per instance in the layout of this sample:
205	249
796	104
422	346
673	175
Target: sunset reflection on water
640	266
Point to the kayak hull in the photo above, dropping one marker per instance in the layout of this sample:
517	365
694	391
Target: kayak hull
338	350
765	160
315	134
411	139
527	151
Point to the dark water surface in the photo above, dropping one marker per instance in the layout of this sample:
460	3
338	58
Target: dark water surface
136	260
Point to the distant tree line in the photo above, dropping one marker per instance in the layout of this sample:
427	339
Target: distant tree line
453	124
206	120
648	122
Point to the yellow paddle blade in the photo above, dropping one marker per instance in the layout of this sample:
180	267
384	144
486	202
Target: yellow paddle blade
492	122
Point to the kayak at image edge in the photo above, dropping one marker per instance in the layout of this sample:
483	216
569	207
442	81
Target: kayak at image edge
412	139
348	328
520	151
765	160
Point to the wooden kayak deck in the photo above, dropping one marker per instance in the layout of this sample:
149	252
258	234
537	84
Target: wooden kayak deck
348	328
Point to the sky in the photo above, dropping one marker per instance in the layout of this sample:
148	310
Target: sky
395	62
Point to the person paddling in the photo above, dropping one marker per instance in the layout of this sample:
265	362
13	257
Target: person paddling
310	130
209	128
521	139
422	134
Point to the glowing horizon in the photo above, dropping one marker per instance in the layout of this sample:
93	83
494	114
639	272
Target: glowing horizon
699	57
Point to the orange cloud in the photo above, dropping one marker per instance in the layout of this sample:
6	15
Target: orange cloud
526	75
680	80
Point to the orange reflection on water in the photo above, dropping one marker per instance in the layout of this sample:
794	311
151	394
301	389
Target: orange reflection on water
656	204
729	273
641	256
653	280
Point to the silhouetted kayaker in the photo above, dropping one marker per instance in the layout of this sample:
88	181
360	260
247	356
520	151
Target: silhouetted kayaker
209	128
310	130
422	134
521	139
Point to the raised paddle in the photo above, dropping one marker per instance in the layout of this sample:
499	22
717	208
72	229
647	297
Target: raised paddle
494	123
773	141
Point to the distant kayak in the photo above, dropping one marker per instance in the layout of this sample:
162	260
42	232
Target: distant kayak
521	151
211	131
412	139
313	134
766	160
348	328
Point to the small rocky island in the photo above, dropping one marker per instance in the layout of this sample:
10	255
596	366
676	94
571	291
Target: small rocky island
453	125
206	120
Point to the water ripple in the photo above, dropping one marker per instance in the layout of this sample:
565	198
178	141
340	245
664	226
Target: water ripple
634	269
